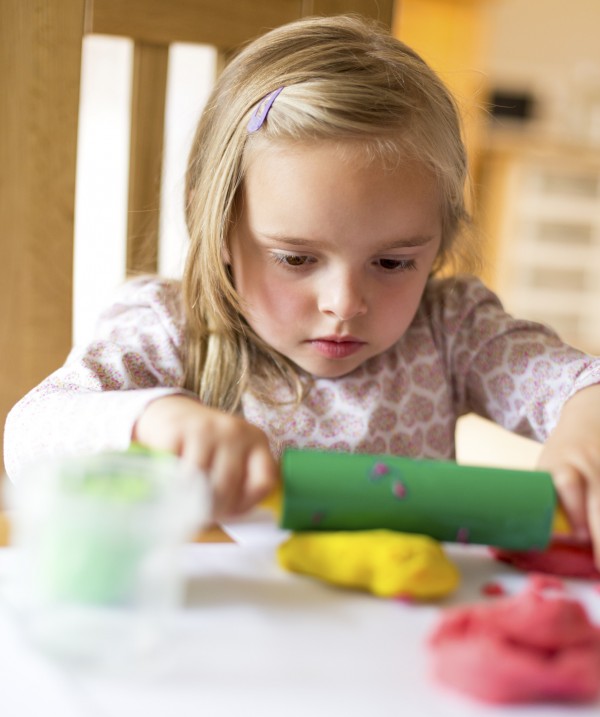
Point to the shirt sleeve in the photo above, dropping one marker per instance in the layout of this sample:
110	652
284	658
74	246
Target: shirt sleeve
92	402
517	373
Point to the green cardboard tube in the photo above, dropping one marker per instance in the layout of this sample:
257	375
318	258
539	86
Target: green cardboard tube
449	502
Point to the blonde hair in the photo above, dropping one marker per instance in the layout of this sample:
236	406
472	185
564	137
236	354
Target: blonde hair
345	79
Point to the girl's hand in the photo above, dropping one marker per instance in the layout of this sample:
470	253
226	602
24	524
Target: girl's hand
235	454
572	456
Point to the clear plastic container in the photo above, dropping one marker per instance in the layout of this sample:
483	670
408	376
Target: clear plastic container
97	539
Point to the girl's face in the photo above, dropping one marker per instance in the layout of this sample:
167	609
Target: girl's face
330	254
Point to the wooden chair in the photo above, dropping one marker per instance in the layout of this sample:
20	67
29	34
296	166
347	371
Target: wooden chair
40	59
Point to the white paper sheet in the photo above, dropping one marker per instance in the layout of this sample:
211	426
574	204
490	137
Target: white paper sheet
255	640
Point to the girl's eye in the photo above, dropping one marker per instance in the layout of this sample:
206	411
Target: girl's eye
397	264
292	260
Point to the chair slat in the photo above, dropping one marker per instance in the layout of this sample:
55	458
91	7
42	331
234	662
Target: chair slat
381	10
218	23
150	66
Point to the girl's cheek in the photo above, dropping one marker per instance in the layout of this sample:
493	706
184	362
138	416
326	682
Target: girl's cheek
280	297
287	300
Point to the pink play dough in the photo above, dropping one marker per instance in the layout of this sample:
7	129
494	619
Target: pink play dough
531	647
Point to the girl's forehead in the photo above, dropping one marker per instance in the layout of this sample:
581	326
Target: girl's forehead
384	153
327	189
307	169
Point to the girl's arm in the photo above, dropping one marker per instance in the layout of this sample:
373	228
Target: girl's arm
572	455
92	402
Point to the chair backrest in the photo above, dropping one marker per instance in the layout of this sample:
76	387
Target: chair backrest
40	64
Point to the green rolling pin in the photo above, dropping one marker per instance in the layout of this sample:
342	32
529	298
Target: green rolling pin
324	491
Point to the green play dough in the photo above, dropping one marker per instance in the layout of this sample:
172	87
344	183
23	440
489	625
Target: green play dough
84	563
97	533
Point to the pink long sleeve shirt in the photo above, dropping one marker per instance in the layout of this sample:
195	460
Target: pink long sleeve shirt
462	353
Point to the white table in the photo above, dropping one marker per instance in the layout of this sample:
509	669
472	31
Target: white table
257	641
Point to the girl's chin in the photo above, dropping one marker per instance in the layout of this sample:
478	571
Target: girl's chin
328	369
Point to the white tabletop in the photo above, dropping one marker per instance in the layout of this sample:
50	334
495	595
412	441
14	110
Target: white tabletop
255	640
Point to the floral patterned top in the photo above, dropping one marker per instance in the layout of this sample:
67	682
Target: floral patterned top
462	353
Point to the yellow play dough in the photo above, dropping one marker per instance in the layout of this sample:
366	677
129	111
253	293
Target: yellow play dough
273	501
384	562
560	525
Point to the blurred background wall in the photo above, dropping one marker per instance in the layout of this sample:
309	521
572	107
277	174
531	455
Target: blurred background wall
527	74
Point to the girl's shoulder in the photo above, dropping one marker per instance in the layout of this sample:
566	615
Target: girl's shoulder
458	301
456	295
150	288
461	306
147	300
162	294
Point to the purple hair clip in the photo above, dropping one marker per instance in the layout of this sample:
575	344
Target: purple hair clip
262	110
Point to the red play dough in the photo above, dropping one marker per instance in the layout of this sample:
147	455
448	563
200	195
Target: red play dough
492	589
526	648
564	556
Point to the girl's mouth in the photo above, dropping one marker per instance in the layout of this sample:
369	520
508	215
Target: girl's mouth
337	347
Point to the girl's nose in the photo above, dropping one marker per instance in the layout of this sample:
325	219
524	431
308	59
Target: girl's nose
343	297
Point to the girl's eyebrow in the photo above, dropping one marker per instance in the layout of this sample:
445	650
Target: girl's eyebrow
400	243
406	242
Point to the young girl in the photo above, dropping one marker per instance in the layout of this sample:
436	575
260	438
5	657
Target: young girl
324	197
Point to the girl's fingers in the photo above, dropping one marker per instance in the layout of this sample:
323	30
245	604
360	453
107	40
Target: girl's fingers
234	454
241	477
261	479
197	453
225	476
